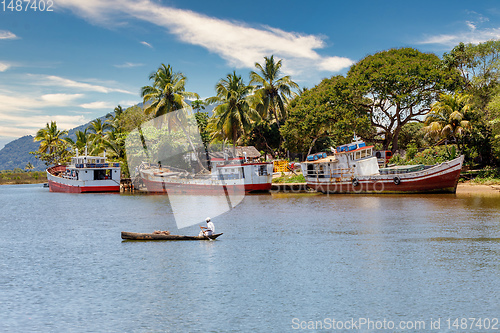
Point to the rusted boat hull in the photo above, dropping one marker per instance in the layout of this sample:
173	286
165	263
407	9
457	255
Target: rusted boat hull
442	178
165	187
145	236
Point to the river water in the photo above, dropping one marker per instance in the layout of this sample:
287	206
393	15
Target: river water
286	262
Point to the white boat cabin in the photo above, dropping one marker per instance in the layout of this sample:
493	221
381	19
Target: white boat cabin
347	160
240	168
86	168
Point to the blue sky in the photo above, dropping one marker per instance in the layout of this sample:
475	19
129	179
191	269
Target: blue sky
82	59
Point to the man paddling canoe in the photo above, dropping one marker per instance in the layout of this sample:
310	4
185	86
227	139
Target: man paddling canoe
210	228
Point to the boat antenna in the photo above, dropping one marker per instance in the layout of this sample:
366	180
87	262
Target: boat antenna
85	149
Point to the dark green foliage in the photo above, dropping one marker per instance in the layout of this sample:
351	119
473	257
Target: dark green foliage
399	86
329	113
411	134
265	137
202	122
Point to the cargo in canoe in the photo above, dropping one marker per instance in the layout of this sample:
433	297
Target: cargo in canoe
143	236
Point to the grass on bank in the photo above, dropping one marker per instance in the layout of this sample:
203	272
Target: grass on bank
290	178
9	177
486	176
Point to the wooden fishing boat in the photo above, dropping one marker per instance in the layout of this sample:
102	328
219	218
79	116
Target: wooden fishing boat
352	168
144	236
85	174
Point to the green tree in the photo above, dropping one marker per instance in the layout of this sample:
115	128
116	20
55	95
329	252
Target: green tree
412	134
167	93
233	115
478	65
50	138
82	140
399	86
29	166
98	135
329	110
447	118
198	105
273	91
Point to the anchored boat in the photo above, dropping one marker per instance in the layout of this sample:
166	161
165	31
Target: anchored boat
231	175
85	174
353	168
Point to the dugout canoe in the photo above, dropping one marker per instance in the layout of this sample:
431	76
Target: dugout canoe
144	236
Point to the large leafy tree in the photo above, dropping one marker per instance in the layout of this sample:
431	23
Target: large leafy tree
479	67
400	86
272	89
233	115
330	110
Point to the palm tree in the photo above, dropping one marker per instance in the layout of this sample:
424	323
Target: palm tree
29	166
198	105
273	90
82	140
233	114
167	93
98	134
50	138
447	117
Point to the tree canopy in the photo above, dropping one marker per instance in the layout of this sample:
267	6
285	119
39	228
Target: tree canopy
331	109
400	86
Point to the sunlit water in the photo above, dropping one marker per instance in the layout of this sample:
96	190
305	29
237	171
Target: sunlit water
285	261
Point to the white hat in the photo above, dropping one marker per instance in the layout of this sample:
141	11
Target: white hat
207	219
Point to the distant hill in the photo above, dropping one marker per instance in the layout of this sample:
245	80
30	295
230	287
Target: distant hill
16	154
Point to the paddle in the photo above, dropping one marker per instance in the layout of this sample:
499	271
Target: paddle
204	234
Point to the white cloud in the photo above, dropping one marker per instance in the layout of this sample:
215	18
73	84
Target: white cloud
97	105
4	66
474	34
60	99
335	64
4	34
52	80
147	44
129	65
20	102
20	125
238	43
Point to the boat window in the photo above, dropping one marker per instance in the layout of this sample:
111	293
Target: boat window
262	170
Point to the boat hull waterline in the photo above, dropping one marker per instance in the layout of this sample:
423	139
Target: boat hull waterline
145	236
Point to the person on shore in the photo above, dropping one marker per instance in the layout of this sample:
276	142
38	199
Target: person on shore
209	230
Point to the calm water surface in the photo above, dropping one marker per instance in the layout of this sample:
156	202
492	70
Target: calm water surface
283	261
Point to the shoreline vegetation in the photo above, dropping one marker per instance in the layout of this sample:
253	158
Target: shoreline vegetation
8	177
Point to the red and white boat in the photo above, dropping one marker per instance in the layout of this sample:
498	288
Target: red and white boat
228	175
85	174
353	169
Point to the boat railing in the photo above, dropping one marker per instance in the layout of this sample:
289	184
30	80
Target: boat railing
97	165
335	173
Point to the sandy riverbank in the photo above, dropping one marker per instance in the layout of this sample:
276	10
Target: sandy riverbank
467	188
